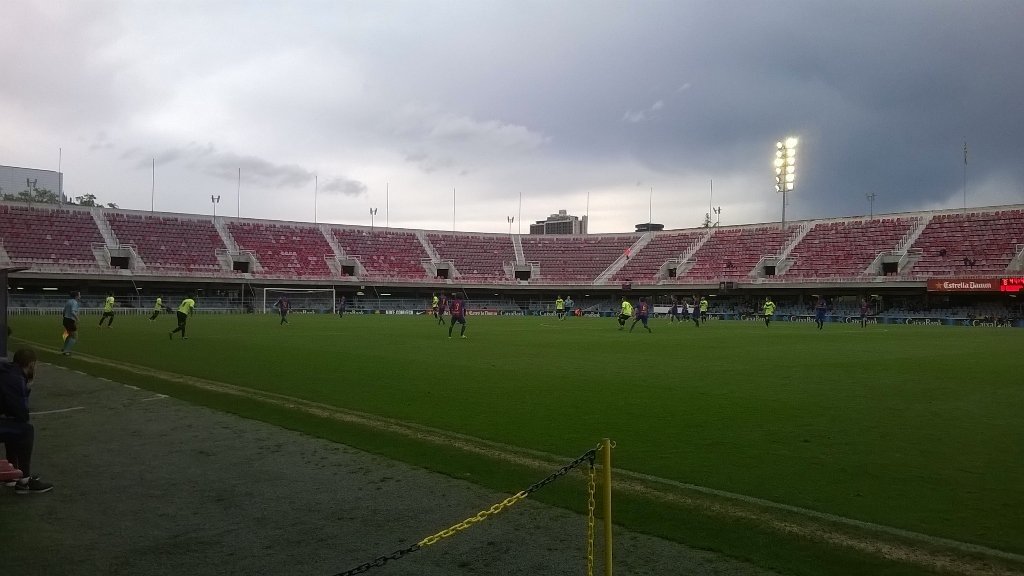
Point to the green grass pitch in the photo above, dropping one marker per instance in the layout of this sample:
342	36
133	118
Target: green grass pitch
918	428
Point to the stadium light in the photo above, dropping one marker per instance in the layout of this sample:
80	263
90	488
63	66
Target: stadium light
373	212
510	219
785	170
215	200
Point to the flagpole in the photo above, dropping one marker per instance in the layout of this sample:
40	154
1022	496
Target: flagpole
60	177
238	196
152	189
316	190
965	176
453	208
711	198
387	205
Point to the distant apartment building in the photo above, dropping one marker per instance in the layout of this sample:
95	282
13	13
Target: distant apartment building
561	223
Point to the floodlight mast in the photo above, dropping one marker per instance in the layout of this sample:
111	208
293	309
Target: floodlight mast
785	170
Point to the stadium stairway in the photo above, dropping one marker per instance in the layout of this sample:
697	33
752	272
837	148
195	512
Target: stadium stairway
686	258
619	262
5	259
105	230
517	245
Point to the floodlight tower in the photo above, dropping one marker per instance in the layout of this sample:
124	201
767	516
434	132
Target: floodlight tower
785	170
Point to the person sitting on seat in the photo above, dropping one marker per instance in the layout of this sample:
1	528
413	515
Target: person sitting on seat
16	432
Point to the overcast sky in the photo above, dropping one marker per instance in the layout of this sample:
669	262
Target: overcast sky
551	100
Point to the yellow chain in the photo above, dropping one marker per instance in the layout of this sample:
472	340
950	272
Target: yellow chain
482	515
591	504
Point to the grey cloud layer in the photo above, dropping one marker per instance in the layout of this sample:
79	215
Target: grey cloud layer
551	99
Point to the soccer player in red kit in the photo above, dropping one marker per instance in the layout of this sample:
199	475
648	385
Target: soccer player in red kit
458	313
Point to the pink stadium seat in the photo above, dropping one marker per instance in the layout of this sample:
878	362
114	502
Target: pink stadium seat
959	244
285	250
8	472
574	259
845	249
732	253
49	235
169	244
645	265
385	254
477	258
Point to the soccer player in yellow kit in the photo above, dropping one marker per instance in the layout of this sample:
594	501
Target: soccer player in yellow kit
157	308
184	311
769	310
108	311
627	311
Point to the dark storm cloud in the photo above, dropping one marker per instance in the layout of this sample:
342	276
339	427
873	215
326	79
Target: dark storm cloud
881	94
554	100
253	170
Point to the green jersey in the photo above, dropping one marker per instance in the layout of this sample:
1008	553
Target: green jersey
159	304
559	304
187	305
108	304
627	308
703	305
769	308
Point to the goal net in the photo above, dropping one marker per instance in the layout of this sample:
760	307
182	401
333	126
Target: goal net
312	300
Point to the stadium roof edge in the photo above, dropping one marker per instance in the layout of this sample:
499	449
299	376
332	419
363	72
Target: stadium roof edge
208	217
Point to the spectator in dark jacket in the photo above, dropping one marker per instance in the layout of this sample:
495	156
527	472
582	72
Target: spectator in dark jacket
16	432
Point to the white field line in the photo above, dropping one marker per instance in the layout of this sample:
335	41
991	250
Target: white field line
58	411
543	460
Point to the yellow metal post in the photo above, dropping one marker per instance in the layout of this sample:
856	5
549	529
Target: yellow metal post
606	465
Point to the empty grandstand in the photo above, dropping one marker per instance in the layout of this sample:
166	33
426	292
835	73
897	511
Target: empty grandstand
902	250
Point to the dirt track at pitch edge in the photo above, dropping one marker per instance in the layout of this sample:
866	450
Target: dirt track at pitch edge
925	551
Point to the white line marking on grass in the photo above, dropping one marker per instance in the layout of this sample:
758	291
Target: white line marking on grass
157	397
130	386
830	517
539	459
58	411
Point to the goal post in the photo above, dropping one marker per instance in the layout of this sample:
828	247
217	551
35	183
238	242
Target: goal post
316	300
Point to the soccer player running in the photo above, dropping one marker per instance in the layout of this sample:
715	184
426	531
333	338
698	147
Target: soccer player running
458	313
673	312
184	311
769	310
642	311
70	321
434	303
442	305
625	313
157	308
820	309
560	307
703	310
695	311
283	306
865	308
108	310
569	304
